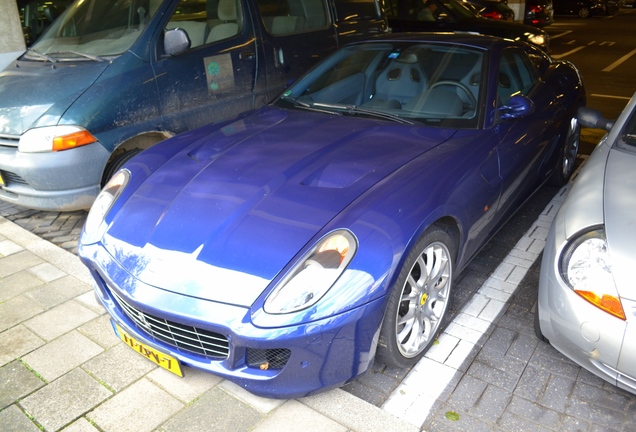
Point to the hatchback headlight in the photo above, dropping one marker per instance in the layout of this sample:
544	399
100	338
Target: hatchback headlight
54	138
105	200
537	39
586	267
314	274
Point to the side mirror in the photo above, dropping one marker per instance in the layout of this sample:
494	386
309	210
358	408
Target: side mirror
518	106
591	118
175	41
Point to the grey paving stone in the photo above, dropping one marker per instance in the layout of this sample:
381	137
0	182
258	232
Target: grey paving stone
194	383
523	347
62	355
555	364
16	382
573	424
492	404
611	400
510	422
596	415
16	342
59	320
17	262
16	310
7	247
557	393
81	425
118	367
500	340
16	284
460	421
298	418
534	412
467	393
47	272
13	419
100	331
64	400
215	411
532	383
141	407
58	291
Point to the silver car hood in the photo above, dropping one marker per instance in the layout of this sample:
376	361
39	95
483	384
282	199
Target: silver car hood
619	209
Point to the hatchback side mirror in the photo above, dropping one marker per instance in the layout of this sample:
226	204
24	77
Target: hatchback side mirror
518	106
592	118
175	41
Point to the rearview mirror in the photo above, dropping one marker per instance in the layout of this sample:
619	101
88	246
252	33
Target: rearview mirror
591	118
175	41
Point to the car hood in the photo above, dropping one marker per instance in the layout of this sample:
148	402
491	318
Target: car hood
225	215
37	93
620	218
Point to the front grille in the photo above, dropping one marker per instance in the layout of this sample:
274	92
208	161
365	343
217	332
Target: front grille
275	358
183	337
12	178
9	140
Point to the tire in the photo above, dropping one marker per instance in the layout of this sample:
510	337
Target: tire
117	162
569	151
584	12
418	300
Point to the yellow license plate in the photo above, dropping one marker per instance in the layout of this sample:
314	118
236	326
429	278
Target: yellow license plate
164	360
1	180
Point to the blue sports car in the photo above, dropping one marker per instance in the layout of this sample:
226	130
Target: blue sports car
289	248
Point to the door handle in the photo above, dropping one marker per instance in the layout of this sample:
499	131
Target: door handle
247	55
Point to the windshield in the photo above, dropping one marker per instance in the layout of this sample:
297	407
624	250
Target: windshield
438	84
440	9
627	139
90	29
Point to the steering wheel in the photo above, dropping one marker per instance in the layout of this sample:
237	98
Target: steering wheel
472	102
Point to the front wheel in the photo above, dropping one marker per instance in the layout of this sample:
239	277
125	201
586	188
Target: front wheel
418	300
569	151
584	12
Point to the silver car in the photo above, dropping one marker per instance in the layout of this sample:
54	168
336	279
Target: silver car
587	288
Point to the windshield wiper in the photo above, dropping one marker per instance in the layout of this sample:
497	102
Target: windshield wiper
308	106
353	109
42	55
79	54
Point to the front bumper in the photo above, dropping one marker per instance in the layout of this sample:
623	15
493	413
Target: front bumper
582	332
60	181
316	356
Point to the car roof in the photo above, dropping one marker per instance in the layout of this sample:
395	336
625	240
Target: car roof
475	40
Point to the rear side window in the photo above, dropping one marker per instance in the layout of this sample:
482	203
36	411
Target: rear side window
284	17
348	10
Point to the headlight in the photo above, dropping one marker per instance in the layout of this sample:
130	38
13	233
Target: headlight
537	39
105	200
54	138
314	274
586	267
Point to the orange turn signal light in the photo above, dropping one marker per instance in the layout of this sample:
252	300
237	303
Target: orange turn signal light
608	303
73	140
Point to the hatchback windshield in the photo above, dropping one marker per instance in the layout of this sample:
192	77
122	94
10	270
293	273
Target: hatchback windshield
90	29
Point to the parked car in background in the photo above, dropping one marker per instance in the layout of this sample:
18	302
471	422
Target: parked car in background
284	249
587	296
493	9
586	8
111	78
539	13
452	15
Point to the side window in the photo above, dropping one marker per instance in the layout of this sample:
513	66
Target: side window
284	17
207	21
357	9
516	75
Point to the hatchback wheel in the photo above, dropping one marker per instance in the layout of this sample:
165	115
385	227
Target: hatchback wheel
569	151
584	12
419	300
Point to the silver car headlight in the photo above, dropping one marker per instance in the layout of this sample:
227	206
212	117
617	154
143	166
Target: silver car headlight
537	39
314	274
105	200
586	267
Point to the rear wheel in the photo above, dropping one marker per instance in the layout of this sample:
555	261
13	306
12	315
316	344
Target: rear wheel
584	12
569	151
418	301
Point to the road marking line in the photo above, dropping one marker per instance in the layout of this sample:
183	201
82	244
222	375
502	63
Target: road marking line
620	61
561	34
560	56
413	399
610	96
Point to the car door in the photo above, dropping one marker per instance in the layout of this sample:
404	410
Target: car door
523	140
218	76
295	35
